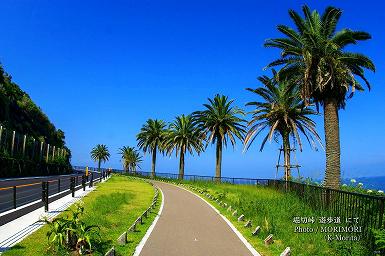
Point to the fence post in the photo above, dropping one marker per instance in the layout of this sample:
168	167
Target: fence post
13	142
46	196
91	179
47	157
33	148
72	186
41	150
14	197
381	212
84	182
1	133
327	198
24	141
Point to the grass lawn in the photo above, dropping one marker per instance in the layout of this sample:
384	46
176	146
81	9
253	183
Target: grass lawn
113	206
274	211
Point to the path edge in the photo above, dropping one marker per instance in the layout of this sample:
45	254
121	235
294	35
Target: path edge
146	236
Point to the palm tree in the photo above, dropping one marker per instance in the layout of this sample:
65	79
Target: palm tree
315	55
220	122
131	158
183	135
283	113
126	153
150	139
136	159
100	153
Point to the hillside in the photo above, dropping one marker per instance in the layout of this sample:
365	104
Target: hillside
19	112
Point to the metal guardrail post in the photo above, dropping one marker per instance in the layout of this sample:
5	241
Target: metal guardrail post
72	186
84	182
92	180
42	191
44	194
46	197
14	197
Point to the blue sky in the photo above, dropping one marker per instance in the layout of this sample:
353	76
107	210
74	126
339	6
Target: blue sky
100	69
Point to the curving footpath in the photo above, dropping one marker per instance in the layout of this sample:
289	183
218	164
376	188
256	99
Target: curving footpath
189	226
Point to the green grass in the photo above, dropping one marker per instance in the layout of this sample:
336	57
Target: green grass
113	206
273	211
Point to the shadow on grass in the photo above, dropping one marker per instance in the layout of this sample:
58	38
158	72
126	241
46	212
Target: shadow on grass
103	246
16	247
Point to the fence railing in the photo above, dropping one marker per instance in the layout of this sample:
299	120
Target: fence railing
22	146
13	197
361	210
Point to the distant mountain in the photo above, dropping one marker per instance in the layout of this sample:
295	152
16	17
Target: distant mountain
377	183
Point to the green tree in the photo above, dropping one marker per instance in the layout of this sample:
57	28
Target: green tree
315	56
151	138
220	122
100	154
131	158
284	114
183	136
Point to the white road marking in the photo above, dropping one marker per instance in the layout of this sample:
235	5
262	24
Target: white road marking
140	246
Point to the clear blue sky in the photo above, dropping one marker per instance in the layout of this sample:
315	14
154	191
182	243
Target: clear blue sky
99	69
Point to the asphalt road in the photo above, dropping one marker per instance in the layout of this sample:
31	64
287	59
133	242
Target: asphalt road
30	189
188	226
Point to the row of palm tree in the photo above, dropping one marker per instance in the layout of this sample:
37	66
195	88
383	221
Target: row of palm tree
314	69
220	122
131	158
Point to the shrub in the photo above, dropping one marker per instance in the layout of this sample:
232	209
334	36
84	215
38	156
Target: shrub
72	234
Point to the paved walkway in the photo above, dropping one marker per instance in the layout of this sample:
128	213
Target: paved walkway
188	226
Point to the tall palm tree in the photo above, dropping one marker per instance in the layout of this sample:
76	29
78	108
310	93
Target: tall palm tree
131	158
183	136
283	113
100	154
315	55
150	139
220	122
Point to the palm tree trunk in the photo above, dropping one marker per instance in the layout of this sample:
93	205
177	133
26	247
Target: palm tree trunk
286	155
181	165
218	166
99	162
153	162
332	139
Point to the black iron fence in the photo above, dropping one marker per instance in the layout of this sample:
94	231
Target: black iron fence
15	196
360	210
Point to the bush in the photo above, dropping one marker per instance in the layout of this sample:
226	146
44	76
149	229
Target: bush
71	234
